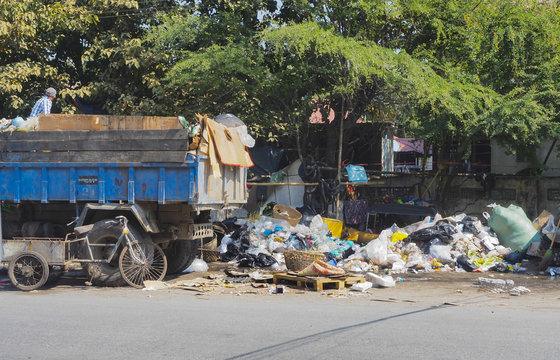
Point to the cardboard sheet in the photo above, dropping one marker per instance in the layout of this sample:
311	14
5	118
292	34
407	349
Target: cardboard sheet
228	145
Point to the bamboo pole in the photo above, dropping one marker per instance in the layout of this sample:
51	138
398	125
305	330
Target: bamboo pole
339	166
315	184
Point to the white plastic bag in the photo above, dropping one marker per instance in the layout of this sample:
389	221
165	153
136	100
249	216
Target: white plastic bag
223	245
246	139
198	265
376	249
442	253
549	228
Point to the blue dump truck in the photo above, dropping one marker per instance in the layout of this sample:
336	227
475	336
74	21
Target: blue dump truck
71	189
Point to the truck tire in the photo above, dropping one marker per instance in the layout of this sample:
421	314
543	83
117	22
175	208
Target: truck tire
180	255
107	232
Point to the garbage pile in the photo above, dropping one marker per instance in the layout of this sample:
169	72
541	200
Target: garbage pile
457	243
18	124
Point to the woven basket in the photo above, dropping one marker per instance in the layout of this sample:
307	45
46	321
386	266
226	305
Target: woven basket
297	260
210	255
287	213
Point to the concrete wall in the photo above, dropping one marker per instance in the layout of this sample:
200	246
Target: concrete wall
468	196
502	163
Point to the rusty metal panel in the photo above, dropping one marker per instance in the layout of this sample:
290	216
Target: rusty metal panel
52	249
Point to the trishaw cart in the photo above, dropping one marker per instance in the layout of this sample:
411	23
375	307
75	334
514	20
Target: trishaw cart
32	261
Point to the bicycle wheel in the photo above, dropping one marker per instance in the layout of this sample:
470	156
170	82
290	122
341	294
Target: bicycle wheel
146	261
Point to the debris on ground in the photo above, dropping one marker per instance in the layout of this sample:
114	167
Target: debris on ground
318	248
519	290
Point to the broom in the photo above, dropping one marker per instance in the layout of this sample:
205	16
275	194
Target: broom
547	258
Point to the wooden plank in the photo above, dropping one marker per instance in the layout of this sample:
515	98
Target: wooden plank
106	122
113	135
95	145
351	280
95	156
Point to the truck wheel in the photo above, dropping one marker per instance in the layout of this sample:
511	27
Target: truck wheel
107	232
28	270
180	255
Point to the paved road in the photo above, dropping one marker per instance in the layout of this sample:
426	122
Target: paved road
79	322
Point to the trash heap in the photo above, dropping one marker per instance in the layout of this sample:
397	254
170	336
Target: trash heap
18	124
457	243
263	242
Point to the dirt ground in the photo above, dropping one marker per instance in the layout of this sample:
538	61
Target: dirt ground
429	288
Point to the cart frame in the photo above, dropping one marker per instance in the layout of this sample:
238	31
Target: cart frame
30	259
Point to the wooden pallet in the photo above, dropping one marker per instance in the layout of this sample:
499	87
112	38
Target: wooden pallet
318	283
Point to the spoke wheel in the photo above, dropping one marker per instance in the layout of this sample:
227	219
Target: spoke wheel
146	261
28	270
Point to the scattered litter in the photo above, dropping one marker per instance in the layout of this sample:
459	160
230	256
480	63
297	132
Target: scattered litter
151	285
495	282
259	285
363	287
383	281
277	289
519	290
236	273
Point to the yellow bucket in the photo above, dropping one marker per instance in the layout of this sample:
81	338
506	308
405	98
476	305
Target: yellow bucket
335	226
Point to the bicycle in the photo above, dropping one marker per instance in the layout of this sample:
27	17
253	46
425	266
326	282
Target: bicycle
139	261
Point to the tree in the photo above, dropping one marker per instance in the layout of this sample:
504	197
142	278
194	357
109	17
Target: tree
29	37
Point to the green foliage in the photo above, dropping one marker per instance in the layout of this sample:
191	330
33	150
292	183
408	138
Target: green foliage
30	32
451	70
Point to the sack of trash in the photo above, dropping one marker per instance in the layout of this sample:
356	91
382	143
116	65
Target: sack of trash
513	227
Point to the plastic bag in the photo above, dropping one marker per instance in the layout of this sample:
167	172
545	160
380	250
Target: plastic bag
398	236
356	173
29	124
471	225
441	253
443	231
246	139
513	227
260	260
198	265
419	225
228	120
376	249
465	263
549	228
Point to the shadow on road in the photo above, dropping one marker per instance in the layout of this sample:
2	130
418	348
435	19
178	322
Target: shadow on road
264	353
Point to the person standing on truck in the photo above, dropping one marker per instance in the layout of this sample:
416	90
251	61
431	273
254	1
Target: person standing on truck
44	104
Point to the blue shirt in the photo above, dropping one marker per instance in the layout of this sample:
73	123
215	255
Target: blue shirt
42	106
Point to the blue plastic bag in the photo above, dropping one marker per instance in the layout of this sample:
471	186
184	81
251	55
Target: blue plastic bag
356	173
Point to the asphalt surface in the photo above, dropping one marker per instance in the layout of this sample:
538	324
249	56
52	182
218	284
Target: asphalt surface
435	316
